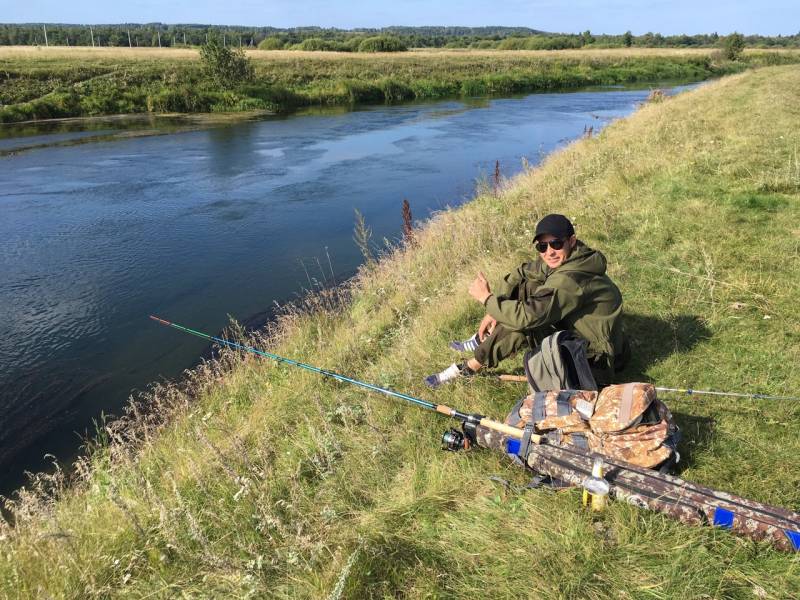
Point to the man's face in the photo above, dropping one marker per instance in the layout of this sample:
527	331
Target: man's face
552	257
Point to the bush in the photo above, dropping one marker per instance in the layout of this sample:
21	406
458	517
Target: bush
361	91
271	43
272	97
512	43
483	45
382	43
315	45
181	99
17	112
733	46
473	87
105	102
227	66
627	39
351	44
59	104
431	88
539	42
395	91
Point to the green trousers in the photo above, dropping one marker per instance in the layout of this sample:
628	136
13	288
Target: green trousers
504	342
500	344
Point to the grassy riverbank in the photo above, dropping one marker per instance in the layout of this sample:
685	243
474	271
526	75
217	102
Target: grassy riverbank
38	83
269	481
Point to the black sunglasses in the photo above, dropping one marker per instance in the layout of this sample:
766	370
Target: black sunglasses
541	247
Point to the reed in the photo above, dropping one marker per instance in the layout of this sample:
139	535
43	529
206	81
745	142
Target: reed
408	223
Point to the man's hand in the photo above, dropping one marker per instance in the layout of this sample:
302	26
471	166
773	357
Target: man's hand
479	288
486	327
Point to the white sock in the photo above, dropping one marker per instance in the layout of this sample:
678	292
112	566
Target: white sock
449	373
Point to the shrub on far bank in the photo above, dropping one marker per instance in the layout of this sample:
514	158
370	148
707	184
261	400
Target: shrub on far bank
181	99
382	43
351	44
733	46
539	42
225	65
483	45
272	97
315	45
271	43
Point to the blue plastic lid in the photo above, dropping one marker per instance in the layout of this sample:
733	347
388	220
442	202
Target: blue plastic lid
512	447
723	518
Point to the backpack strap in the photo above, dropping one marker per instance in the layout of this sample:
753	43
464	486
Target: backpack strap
536	482
626	403
579	440
539	406
525	443
554	436
551	355
563	407
574	352
549	482
526	367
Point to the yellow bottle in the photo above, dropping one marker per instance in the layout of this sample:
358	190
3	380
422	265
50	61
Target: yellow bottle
596	487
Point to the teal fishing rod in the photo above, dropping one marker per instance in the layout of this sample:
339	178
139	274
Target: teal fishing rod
686	391
452	440
692	392
643	488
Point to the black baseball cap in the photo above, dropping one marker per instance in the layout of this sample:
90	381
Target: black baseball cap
556	225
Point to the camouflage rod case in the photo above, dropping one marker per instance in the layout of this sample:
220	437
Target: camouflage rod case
686	501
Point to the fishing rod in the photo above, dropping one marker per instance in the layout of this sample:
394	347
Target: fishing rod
687	391
690	392
451	440
679	499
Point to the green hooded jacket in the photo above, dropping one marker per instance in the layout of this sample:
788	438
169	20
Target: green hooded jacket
577	295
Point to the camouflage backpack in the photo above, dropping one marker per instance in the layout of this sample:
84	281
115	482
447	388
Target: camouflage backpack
624	421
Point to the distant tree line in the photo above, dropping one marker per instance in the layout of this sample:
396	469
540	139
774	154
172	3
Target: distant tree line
385	39
151	34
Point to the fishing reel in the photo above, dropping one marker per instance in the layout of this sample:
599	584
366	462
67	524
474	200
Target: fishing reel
454	440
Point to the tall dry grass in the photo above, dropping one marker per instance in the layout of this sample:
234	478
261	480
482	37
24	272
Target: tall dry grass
47	83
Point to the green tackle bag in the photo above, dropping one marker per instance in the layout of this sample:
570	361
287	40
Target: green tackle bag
559	363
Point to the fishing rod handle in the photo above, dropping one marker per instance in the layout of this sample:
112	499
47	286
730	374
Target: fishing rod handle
509	430
513	378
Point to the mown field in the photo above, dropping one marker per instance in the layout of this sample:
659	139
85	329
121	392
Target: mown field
43	83
255	480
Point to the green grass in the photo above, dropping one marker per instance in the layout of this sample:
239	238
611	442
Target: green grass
40	84
257	480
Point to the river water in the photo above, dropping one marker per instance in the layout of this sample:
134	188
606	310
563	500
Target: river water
199	225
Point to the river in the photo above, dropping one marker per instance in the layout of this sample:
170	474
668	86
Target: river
202	224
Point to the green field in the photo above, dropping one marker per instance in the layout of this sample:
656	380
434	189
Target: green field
37	83
255	480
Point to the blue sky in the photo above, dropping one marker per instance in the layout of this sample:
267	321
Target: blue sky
768	17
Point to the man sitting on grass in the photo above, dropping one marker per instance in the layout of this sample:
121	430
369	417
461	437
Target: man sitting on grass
565	288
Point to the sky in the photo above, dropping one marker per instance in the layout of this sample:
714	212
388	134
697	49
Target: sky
766	17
